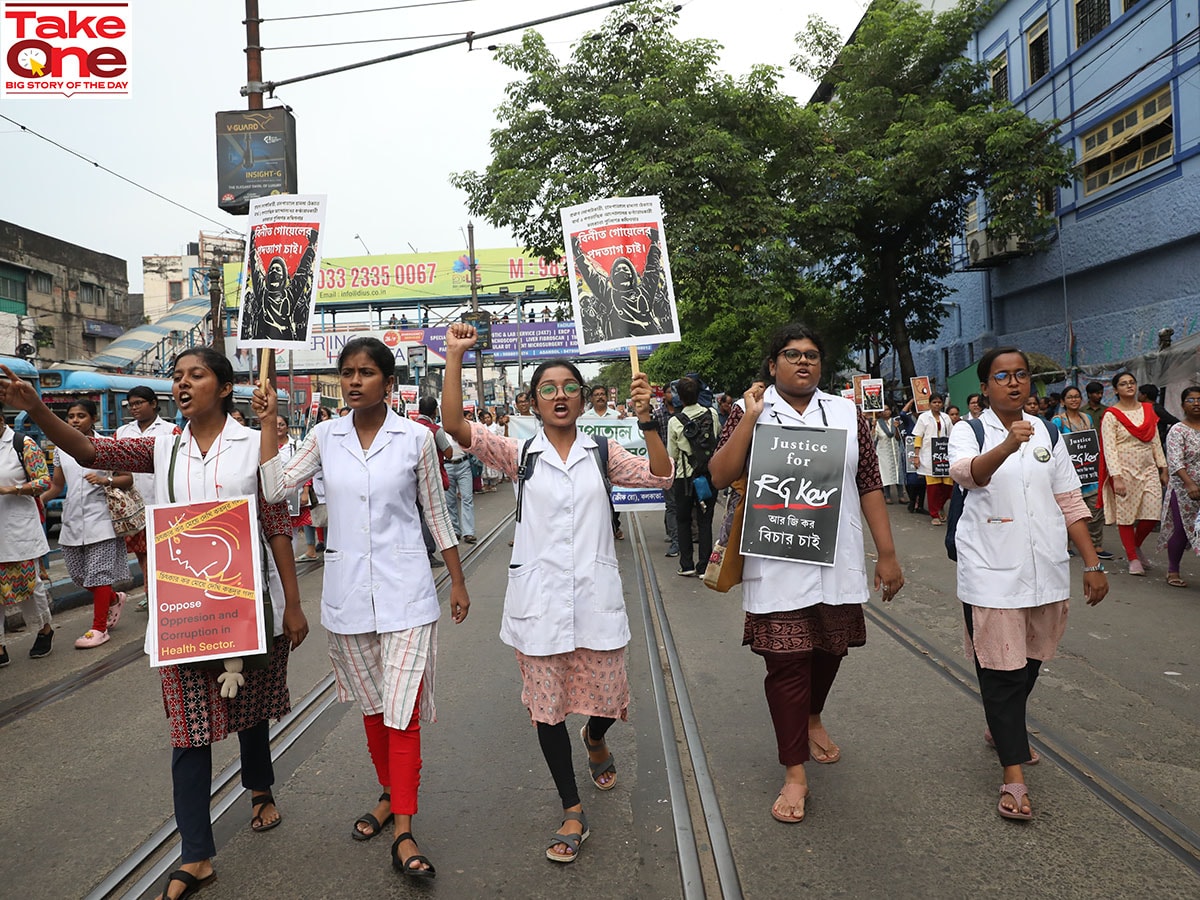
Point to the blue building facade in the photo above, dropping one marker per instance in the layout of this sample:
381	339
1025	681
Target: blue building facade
1123	77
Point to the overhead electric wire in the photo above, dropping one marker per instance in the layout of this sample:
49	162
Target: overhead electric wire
414	37
141	187
355	12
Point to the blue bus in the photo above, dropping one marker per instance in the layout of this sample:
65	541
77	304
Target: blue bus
25	371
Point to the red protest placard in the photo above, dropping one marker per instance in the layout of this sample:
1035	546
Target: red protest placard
204	582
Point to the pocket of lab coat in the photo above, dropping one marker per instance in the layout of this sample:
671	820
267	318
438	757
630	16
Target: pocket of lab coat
524	598
608	597
334	588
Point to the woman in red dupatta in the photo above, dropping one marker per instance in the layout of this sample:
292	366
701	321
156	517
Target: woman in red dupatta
1133	470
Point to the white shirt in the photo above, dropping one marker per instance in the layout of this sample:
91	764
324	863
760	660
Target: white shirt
564	588
1012	538
144	481
85	515
927	429
21	537
776	585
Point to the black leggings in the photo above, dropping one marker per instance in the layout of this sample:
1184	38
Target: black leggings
556	747
1005	694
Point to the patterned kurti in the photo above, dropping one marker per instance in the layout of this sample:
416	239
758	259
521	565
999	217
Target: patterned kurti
18	577
192	698
1183	452
1137	462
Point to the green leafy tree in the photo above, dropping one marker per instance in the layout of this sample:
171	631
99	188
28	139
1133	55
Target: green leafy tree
910	132
635	110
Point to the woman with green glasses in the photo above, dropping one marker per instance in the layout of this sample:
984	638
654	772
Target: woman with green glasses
564	609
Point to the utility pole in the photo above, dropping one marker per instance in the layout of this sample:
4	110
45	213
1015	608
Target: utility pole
216	275
475	309
254	97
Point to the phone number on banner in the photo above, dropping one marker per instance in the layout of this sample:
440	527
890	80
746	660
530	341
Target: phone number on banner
337	277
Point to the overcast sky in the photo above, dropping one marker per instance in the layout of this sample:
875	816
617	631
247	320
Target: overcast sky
380	141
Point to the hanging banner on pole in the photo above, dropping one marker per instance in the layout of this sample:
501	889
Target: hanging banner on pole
204	581
282	255
619	273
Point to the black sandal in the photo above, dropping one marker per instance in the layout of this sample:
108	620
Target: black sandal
370	821
191	884
256	822
404	865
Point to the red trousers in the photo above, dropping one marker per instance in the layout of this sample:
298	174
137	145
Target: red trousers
936	496
397	758
797	685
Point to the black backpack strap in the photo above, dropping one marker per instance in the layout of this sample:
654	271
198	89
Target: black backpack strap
977	427
525	464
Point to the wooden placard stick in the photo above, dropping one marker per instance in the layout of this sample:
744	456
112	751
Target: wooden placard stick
633	360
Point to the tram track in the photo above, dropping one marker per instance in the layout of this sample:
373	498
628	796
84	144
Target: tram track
145	867
1158	824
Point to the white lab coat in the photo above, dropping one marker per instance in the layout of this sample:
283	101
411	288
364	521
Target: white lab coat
229	469
21	537
564	588
377	574
775	585
1012	537
85	515
144	481
927	429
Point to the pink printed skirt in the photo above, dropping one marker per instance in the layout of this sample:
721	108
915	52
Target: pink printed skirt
589	682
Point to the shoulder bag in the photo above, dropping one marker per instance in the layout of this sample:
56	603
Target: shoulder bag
724	568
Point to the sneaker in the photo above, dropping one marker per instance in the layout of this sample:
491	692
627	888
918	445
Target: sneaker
686	572
4	660
41	645
114	609
672	552
1104	554
91	638
436	563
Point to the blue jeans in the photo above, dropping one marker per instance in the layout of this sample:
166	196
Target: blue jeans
461	492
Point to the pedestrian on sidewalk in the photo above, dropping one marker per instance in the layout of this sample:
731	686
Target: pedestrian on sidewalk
662	416
217	458
914	481
379	603
23	477
143	406
1181	505
460	496
890	450
564	609
1072	419
427	414
803	618
1014	576
96	559
1133	470
932	425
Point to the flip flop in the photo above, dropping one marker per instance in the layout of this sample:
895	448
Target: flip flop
574	841
1018	792
1033	760
598	769
256	822
831	754
373	823
191	884
1175	581
780	817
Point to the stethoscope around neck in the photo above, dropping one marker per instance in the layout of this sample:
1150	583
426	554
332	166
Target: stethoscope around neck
820	406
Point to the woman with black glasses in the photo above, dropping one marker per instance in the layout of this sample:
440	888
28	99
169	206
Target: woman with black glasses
564	610
1133	470
1014	576
802	618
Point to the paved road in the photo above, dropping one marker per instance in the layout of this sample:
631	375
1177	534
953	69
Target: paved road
908	812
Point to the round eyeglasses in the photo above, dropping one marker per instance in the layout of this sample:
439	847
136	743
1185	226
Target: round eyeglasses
571	388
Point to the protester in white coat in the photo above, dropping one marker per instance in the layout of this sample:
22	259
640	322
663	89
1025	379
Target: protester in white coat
564	610
379	603
1014	578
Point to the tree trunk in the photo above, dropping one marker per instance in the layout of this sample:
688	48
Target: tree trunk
889	271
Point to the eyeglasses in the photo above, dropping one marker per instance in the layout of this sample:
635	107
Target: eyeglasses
137	404
1020	377
571	388
1192	400
792	355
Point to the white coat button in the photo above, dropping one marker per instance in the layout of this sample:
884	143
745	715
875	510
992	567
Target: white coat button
362	497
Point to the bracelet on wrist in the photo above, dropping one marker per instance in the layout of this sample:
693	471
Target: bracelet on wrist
1099	567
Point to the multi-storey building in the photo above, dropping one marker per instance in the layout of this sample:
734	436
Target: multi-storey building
167	280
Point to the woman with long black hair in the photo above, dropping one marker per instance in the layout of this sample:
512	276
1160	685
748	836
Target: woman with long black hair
215	458
564	610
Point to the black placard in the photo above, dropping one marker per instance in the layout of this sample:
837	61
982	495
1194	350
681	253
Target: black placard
939	456
794	493
1084	447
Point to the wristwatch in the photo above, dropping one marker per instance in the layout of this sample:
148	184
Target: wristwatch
1099	567
648	425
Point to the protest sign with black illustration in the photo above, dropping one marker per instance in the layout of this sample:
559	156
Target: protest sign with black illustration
939	456
278	284
1084	447
619	273
872	395
794	493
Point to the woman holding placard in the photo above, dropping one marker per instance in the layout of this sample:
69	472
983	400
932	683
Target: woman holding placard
214	458
1134	472
564	611
1014	577
933	432
1071	419
379	603
802	618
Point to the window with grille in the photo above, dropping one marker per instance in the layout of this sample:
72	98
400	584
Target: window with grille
999	70
91	293
12	290
1091	17
1133	140
175	291
40	282
1038	39
1129	4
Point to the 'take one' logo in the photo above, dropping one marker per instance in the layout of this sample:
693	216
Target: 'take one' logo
61	49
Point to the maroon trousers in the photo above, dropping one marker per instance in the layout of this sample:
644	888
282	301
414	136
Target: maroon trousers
797	685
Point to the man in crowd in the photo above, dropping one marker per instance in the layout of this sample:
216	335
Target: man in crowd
690	455
1148	393
1095	406
460	496
662	418
522	402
